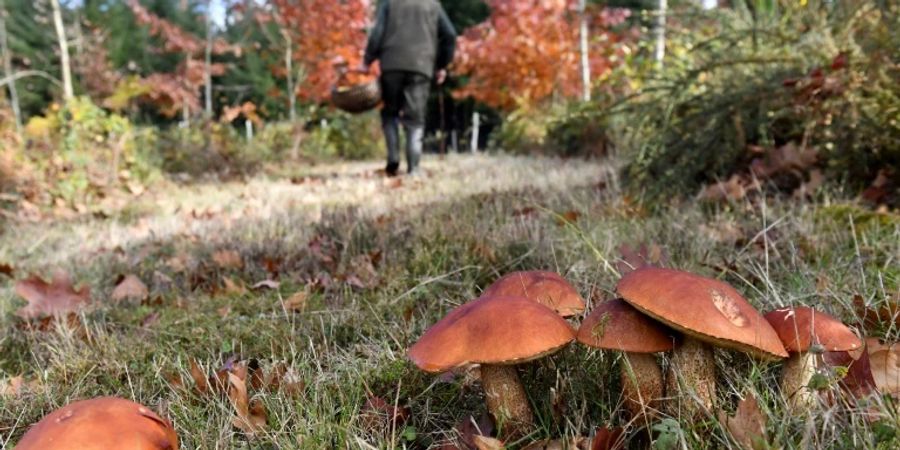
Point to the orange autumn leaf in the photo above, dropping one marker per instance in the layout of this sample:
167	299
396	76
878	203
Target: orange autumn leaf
250	414
56	298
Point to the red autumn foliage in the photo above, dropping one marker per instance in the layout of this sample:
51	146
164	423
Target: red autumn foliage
171	92
322	31
528	50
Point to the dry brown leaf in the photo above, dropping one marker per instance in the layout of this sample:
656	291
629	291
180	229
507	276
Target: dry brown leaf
734	189
150	320
607	438
469	428
56	298
644	256
6	269
12	387
251	415
199	377
228	259
748	426
296	302
224	311
130	288
575	443
266	284
881	316
884	361
232	287
568	217
488	443
378	415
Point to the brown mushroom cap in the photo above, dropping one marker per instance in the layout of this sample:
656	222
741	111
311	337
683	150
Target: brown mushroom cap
491	330
801	327
100	424
616	325
546	288
703	308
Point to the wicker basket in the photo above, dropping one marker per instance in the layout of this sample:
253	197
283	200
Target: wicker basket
358	98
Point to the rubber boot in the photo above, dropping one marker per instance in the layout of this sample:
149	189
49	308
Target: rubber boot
392	140
414	137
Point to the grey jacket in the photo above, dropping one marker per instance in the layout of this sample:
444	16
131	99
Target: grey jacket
413	36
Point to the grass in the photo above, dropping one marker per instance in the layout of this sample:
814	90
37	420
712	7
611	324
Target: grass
434	245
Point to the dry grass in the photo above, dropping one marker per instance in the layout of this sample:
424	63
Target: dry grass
434	244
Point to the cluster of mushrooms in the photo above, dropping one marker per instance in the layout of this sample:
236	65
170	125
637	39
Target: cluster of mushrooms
521	318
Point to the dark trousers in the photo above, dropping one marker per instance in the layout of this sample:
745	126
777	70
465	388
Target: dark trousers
405	96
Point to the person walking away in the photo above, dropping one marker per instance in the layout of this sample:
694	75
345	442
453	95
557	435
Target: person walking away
415	41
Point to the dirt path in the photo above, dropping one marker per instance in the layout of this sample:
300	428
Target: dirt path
205	209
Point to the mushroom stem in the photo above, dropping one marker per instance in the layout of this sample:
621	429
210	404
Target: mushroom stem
506	399
642	385
795	377
691	379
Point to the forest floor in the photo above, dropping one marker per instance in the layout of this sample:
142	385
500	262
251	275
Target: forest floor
318	284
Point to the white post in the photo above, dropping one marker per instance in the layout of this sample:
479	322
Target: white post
476	125
660	31
248	126
585	56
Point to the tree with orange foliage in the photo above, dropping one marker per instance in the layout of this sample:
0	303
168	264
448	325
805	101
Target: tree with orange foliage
528	51
172	92
322	32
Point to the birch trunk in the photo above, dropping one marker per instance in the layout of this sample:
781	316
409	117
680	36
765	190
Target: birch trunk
289	65
660	32
207	63
585	55
68	91
8	68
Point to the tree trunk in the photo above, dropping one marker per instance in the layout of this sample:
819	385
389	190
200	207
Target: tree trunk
585	56
660	31
207	64
68	91
8	68
289	65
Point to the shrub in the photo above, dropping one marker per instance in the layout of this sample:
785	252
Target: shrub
819	77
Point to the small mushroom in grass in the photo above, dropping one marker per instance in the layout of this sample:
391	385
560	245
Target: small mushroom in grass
546	288
496	332
101	424
708	312
803	330
616	325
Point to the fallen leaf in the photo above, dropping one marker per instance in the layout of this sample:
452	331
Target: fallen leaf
266	284
644	256
378	415
56	298
6	269
748	426
885	315
469	428
734	189
884	360
568	217
575	443
488	443
224	311
251	415
232	287
150	320
199	377
607	438
130	288
12	387
228	259
296	302
858	380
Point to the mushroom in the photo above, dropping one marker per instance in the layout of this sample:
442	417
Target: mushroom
100	424
708	312
546	288
498	333
616	325
803	330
